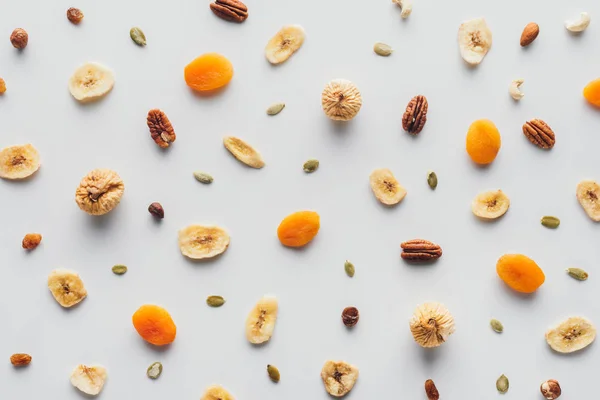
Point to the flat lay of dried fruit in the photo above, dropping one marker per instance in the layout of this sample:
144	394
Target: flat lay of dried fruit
591	92
578	273
385	187
405	5
20	359
514	89
215	301
490	205
199	241
415	116
19	161
382	49
431	324
573	334
119	269
154	324
431	390
550	222
341	100
349	268
209	71
273	372
502	384
66	286
99	192
91	81
350	316
157	210
419	250
588	195
550	389
2	86
75	15
161	130
243	152
31	241
483	141
339	377
285	43
260	322
275	108
497	326
432	180
578	25
530	33
138	36
539	133
474	40
89	379
203	177
154	370
216	392
520	273
299	228
230	10
19	38
310	166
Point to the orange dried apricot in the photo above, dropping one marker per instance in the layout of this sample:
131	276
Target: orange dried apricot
483	141
208	72
154	324
520	273
591	92
299	228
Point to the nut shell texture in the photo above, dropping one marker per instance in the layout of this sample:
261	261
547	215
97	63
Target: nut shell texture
431	324
99	191
341	100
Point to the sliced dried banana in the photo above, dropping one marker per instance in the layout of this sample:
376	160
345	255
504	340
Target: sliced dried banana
89	379
199	241
243	152
588	194
284	43
261	320
474	40
571	335
431	324
491	204
91	81
216	392
339	377
66	287
385	187
19	161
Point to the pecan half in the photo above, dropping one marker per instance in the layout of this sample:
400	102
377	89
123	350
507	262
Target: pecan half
431	390
420	250
415	116
230	10
539	133
161	130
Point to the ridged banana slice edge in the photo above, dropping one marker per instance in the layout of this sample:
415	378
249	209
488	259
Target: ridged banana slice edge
260	322
89	379
491	204
474	40
66	286
199	241
386	187
573	334
19	161
91	81
285	43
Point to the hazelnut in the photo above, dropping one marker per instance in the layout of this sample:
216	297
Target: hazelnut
19	38
157	210
31	241
550	389
350	316
74	15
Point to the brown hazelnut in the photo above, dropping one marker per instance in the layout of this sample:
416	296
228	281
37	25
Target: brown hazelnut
19	38
157	210
31	241
550	389
74	15
350	316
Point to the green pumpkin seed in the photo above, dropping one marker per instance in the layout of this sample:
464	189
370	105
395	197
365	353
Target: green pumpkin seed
497	325
550	222
138	36
382	49
311	166
203	177
577	273
502	384
432	180
119	269
154	370
349	267
273	373
275	109
215	301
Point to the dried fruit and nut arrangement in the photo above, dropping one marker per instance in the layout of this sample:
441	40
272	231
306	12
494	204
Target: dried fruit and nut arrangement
241	218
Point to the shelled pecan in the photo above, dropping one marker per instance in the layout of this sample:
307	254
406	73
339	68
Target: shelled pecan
415	116
539	133
161	130
420	250
230	10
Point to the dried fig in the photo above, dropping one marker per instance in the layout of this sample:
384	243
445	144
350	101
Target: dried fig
99	191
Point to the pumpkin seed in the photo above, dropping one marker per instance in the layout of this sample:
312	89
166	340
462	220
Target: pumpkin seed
497	325
119	269
349	267
138	36
273	373
275	109
502	384
154	370
311	166
577	273
215	301
382	49
550	222
203	177
432	180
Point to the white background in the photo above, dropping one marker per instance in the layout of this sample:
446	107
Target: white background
310	283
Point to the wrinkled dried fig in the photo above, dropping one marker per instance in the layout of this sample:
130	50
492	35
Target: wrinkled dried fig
99	191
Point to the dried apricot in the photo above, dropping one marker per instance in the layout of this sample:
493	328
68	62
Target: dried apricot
208	72
483	141
591	92
299	228
520	272
154	324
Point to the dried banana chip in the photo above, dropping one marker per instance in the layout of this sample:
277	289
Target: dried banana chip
260	323
198	241
491	204
89	379
243	152
571	335
588	194
19	162
216	392
385	187
339	377
66	287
